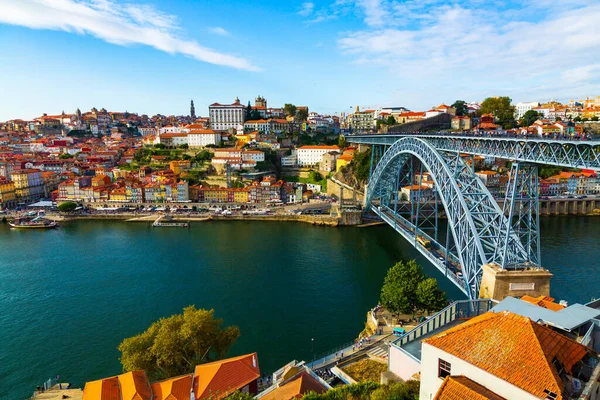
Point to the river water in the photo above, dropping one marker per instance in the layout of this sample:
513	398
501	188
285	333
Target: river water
69	296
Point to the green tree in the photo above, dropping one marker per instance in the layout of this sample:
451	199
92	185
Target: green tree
238	395
315	176
342	141
399	291
502	109
577	119
430	297
558	119
248	111
65	156
391	120
595	118
461	107
174	345
67	206
160	146
529	118
408	390
302	114
184	146
290	109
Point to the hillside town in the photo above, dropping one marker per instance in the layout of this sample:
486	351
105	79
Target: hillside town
251	154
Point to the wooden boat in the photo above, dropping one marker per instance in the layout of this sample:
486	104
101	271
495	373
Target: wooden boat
35	223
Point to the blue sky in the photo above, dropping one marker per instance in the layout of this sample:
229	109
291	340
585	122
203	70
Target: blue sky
154	56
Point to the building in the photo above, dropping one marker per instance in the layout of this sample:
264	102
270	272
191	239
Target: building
363	121
491	180
29	185
461	123
508	356
308	156
8	197
410	117
328	161
227	116
414	193
215	380
293	381
522	108
203	138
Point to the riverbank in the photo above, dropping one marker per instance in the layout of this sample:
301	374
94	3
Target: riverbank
318	220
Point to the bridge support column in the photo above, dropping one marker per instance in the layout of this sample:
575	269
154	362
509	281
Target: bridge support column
498	283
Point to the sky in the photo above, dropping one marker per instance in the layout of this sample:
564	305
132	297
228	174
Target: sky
155	56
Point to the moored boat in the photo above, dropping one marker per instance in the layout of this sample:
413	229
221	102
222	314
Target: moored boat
35	223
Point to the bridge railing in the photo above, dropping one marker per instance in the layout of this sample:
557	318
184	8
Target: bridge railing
457	310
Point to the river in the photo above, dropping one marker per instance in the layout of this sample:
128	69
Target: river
69	296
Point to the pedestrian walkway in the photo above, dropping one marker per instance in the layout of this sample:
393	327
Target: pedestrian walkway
350	351
380	350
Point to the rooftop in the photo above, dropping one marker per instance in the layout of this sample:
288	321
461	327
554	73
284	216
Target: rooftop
460	388
515	349
567	319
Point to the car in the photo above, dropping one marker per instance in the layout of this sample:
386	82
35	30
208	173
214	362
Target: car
441	259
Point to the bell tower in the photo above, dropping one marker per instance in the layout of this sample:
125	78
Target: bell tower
192	110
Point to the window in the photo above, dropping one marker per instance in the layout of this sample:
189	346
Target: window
443	368
550	395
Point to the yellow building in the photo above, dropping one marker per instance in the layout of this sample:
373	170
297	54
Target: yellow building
243	139
240	195
7	193
178	166
343	160
119	194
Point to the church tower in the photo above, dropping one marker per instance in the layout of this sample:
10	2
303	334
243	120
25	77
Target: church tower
192	110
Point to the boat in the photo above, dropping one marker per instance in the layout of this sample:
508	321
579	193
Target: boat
33	223
166	221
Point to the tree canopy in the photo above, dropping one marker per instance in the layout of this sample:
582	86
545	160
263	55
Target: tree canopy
502	109
408	390
406	290
290	109
529	118
67	206
174	345
302	114
461	107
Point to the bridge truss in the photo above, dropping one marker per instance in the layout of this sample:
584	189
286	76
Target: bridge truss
478	231
563	153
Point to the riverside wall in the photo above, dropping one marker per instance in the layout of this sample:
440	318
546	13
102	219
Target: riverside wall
345	219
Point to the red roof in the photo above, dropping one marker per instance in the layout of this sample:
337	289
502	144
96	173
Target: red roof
216	380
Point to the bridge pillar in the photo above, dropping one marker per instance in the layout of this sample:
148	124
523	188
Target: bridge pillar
498	283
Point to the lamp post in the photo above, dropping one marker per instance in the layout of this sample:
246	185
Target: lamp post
312	348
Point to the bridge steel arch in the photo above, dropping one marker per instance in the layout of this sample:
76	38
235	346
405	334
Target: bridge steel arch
478	225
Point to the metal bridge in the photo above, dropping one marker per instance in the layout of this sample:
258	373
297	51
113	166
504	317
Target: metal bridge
479	231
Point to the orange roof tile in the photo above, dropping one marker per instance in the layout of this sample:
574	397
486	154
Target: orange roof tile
102	389
177	388
513	348
543	301
462	388
218	379
296	387
135	386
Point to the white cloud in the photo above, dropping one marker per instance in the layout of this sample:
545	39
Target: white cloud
306	9
217	30
114	23
474	48
374	11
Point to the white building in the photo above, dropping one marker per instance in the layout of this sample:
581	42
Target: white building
255	155
145	131
310	155
203	138
290	161
522	108
227	116
506	356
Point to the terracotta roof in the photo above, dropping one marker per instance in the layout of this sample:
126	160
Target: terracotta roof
513	348
134	385
177	388
543	301
218	379
462	388
296	387
318	148
102	389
